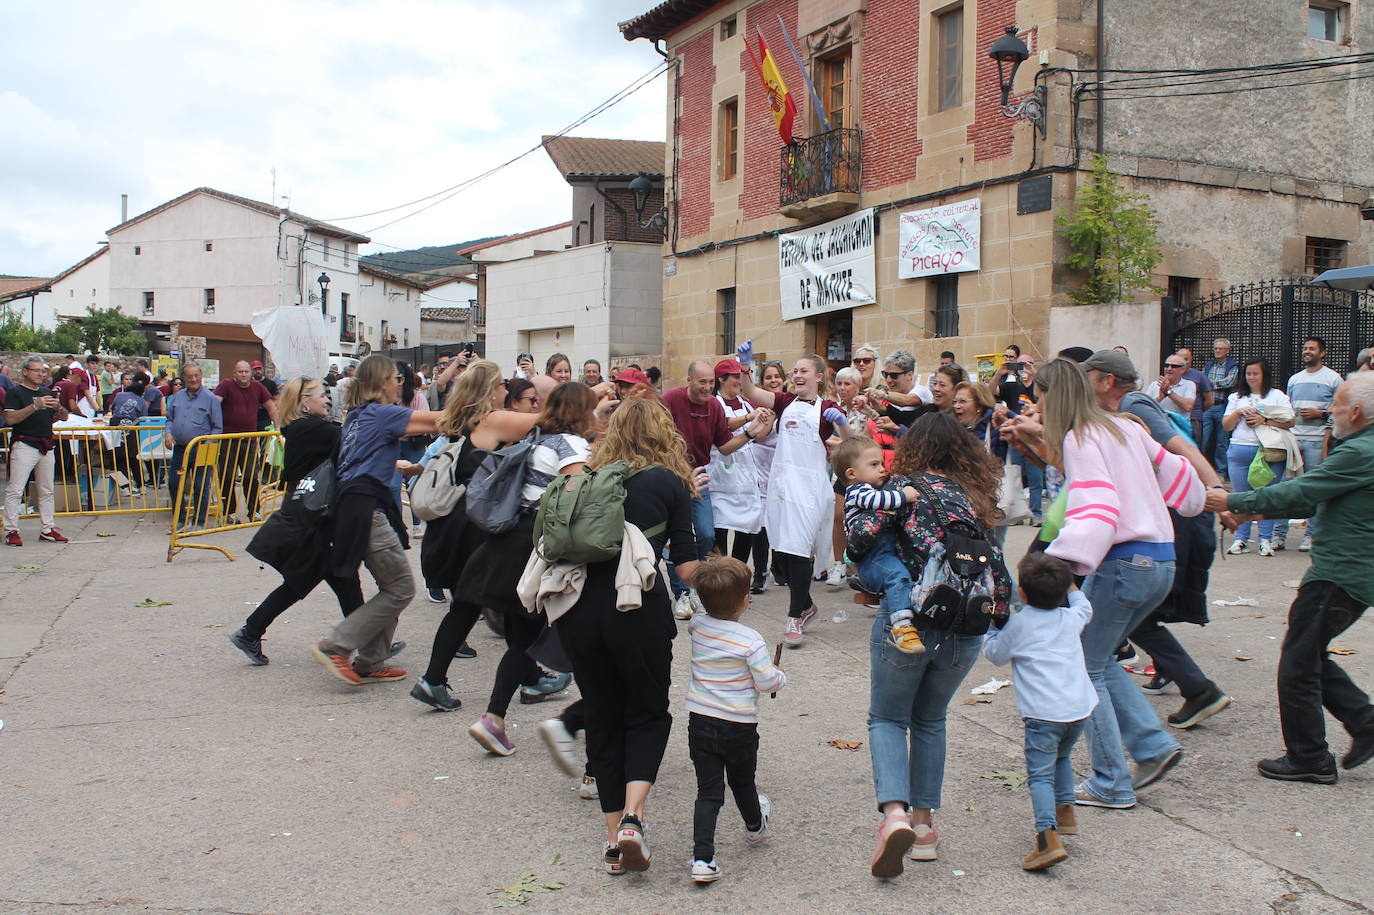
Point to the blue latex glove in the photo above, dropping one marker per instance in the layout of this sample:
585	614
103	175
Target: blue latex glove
836	416
745	353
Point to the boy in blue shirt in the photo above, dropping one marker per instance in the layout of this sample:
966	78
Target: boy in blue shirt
1053	692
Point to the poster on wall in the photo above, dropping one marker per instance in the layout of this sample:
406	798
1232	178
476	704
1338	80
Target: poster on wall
827	267
169	364
940	240
209	372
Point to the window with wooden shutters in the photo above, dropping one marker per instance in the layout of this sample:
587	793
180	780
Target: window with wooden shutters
729	139
949	58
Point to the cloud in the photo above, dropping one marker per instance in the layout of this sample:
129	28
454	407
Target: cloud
357	106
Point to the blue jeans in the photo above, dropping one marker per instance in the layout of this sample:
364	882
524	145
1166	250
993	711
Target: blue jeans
1122	593
1049	766
881	572
704	526
909	695
1215	438
1239	458
1035	480
200	483
1311	457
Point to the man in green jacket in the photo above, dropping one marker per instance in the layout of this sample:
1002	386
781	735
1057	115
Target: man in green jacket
1334	594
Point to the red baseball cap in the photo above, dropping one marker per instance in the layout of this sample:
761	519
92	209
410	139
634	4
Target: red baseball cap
728	367
257	364
631	376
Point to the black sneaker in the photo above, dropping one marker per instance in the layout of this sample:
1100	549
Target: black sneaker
1159	684
465	652
1285	770
1125	653
435	695
250	647
395	649
1204	705
759	586
550	686
1361	749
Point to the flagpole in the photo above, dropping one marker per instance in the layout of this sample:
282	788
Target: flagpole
810	88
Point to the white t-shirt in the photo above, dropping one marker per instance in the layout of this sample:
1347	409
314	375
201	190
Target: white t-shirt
547	460
1185	389
1243	434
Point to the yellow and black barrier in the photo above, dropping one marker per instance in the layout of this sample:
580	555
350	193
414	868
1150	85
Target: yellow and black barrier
103	470
224	482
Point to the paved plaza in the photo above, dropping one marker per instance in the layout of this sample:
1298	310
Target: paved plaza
148	767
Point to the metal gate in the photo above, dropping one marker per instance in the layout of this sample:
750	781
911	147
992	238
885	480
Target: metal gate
1270	320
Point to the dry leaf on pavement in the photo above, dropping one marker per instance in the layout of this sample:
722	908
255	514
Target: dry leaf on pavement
977	700
1241	657
844	744
1334	650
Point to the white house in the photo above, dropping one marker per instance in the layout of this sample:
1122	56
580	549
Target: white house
450	313
199	265
387	313
85	284
28	298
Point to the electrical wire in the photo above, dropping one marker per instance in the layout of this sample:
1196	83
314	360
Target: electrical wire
1107	95
617	98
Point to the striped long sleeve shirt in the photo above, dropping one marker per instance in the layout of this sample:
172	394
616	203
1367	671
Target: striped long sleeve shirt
862	497
730	667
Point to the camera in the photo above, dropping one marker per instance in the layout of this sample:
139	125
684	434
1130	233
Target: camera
469	348
1014	366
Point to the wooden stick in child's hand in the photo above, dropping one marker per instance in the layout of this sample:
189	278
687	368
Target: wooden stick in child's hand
777	662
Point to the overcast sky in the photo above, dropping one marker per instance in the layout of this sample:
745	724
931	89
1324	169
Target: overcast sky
358	106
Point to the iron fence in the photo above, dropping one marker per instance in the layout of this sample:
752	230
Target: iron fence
1270	320
828	163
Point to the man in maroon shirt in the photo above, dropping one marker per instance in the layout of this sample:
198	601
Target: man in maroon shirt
240	397
701	420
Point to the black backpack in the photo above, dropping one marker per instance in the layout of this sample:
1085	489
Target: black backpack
494	492
955	590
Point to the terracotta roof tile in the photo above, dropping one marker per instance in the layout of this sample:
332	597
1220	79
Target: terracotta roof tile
20	284
663	19
592	157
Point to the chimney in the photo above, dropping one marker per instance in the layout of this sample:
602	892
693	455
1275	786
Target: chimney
123	208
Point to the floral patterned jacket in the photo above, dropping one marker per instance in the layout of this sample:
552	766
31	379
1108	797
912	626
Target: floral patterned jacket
918	527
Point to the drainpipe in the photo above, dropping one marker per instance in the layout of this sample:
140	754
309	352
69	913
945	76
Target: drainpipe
1101	62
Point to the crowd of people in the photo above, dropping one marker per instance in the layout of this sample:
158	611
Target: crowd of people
871	477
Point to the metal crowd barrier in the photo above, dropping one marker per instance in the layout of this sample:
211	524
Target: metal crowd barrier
102	470
224	482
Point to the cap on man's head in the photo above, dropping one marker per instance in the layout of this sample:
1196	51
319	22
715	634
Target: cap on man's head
727	367
1113	363
256	364
631	376
1078	354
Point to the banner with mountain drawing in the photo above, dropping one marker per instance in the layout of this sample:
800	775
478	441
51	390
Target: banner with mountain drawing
945	239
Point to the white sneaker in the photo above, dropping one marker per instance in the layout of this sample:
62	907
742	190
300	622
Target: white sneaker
697	605
793	635
1237	547
705	871
755	836
835	578
562	746
1306	545
682	607
1266	548
587	790
416	532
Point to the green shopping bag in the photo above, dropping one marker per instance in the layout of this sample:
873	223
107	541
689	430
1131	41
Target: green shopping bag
1259	475
1054	516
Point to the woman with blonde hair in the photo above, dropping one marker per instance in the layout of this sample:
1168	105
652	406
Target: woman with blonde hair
293	545
368	529
623	660
473	414
1118	533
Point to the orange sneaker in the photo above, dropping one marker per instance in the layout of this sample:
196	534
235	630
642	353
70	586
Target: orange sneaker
337	664
381	674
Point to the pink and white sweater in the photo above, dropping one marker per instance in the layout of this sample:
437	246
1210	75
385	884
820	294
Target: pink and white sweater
1120	493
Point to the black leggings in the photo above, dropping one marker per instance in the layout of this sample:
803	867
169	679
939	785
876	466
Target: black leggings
760	551
516	667
798	570
742	547
349	591
453	631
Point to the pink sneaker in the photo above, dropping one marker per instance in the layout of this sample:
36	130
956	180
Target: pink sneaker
492	736
793	635
895	836
808	615
927	841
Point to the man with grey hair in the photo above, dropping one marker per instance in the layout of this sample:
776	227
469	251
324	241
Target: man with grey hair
905	399
30	408
1338	587
1222	371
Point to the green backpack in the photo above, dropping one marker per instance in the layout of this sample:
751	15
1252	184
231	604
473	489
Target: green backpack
582	515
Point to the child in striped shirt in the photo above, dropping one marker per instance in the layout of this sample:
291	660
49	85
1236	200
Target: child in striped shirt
730	667
869	526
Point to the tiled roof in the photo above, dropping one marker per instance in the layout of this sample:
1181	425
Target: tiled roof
81	263
315	225
444	314
18	285
586	157
519	235
392	276
663	19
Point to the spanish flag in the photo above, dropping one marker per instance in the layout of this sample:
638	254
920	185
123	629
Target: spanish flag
784	109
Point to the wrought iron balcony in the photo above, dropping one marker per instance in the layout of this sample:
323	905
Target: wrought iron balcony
820	175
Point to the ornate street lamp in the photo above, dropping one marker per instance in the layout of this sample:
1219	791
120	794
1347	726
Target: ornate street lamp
1010	51
640	189
323	280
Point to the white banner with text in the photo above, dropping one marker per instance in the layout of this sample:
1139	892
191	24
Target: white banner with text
828	267
940	240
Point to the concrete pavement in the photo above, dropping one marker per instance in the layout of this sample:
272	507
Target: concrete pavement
147	766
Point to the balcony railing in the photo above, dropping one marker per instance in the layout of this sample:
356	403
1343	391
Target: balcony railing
822	173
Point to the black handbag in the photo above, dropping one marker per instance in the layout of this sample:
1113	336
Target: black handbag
958	602
314	496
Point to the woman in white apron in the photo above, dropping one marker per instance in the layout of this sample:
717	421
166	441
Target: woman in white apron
736	496
774	380
799	503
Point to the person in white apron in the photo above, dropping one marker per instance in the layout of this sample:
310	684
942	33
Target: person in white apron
800	500
735	492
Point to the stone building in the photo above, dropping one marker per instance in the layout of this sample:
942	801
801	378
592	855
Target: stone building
1247	185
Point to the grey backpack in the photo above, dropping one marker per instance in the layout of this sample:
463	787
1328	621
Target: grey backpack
436	490
493	494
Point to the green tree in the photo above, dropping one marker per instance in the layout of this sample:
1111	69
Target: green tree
109	330
1113	236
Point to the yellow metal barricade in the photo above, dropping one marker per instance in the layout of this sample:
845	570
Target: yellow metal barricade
224	482
101	470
